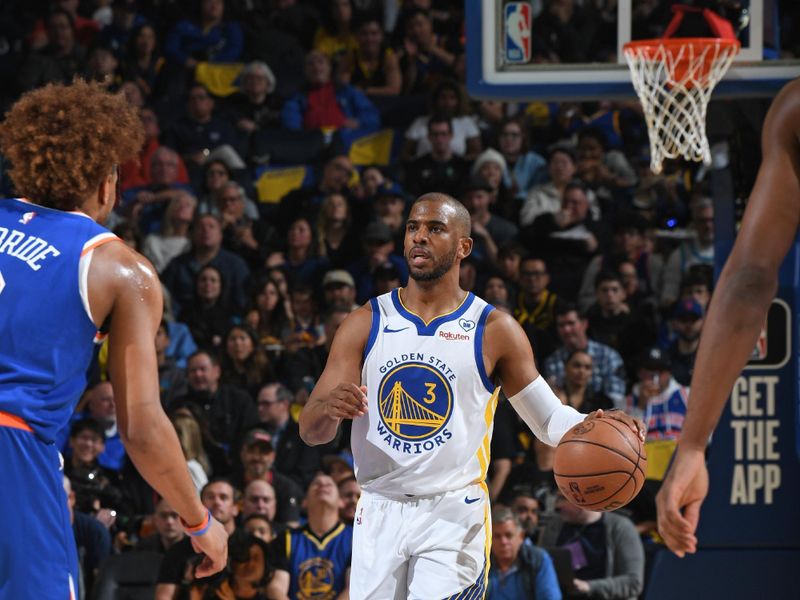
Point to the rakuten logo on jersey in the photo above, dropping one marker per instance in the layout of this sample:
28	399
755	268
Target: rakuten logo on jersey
453	337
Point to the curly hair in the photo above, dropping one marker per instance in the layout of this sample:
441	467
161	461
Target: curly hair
62	140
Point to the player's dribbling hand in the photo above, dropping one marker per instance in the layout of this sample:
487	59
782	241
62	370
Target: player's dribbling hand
637	425
679	499
214	544
347	401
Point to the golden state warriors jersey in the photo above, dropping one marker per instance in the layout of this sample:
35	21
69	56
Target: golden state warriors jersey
431	402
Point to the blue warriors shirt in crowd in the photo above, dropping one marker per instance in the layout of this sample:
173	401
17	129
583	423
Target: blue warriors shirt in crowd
48	334
317	566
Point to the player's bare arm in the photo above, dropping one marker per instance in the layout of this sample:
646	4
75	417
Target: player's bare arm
745	290
125	286
338	394
508	353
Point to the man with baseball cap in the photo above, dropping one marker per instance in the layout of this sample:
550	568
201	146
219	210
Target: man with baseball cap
687	321
379	248
339	290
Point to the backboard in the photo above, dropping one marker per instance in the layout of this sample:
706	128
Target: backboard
505	64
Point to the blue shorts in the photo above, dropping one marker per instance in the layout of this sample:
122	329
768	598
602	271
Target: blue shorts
38	558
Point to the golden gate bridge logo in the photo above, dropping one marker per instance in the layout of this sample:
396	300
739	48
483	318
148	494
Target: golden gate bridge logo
415	401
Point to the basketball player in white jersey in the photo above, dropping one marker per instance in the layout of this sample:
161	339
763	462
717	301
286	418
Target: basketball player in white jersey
416	369
741	300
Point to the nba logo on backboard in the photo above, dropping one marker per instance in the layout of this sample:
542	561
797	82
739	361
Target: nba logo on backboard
518	32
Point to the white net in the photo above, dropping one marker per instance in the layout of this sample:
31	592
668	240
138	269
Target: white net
674	79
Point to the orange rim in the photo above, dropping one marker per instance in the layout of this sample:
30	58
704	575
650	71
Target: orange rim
650	47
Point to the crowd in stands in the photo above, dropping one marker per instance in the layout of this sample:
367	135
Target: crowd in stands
285	143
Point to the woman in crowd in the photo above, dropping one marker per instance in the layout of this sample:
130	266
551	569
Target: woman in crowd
244	362
192	445
524	168
208	317
143	60
335	237
577	393
267	316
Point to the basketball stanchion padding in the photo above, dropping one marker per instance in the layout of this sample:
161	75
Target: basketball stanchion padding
600	464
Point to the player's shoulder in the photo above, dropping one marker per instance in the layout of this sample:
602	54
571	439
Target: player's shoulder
499	320
117	265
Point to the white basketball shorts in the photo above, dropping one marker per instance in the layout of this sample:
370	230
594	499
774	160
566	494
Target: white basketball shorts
421	547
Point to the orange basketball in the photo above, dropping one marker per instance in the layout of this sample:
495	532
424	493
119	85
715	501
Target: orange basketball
600	465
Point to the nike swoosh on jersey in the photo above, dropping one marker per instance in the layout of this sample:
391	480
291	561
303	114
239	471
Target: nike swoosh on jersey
469	500
387	330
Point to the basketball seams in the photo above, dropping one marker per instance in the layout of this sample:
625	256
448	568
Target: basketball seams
610	423
635	464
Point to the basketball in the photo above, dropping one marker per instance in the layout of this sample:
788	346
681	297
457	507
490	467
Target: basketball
600	465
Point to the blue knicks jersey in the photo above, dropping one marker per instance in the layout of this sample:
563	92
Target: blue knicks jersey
318	566
46	333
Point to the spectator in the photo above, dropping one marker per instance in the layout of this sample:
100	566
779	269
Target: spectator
657	398
101	67
256	107
192	445
257	461
259	499
228	411
527	508
125	20
697	250
305	202
390	209
635	297
95	486
143	60
249	573
562	33
207	38
177	568
327	106
495	291
488	230
85	30
335	38
216	173
687	323
336	238
100	406
305	558
696	285
267	316
607	555
612	322
606	172
339	290
92	539
379	249
169	530
304	365
425	59
145	204
548	197
350	493
171	378
196	133
259	526
525	168
576	391
440	170
207	249
305	329
608	373
519	570
374	68
566	239
535	306
293	457
629	241
173	238
245	365
60	60
509	258
243	232
448	101
301	257
209	315
386	278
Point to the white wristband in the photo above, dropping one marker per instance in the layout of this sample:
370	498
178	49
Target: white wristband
548	418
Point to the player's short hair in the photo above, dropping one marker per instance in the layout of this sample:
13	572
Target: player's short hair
62	140
463	219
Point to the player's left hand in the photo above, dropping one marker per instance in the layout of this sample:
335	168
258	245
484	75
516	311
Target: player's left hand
637	425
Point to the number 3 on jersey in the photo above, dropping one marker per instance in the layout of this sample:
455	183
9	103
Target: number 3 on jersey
429	398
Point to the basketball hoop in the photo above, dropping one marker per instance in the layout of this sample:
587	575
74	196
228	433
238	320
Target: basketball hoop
674	78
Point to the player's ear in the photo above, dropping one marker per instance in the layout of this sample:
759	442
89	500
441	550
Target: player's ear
464	247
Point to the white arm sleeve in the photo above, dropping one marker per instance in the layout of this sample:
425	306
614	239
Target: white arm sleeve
543	412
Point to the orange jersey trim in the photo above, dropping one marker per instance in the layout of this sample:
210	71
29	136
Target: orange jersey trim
99	243
14	422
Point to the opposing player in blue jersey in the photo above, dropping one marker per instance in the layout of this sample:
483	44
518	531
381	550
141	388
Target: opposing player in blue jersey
62	275
419	371
741	300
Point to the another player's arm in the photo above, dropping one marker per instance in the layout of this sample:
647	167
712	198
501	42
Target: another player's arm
338	394
508	351
125	286
749	281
